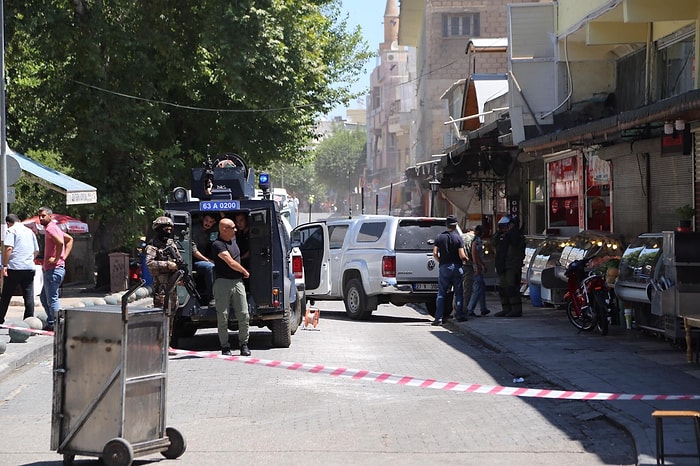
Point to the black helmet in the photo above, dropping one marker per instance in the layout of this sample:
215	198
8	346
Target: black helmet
162	221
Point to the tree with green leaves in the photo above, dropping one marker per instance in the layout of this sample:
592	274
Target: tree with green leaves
131	95
340	160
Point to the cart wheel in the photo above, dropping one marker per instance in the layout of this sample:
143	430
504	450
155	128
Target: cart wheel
68	459
178	445
117	452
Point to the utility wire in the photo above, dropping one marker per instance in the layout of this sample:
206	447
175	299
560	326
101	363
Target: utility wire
188	107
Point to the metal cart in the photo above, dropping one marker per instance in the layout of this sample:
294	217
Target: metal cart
110	372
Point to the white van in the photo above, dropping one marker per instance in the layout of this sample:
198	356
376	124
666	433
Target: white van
276	194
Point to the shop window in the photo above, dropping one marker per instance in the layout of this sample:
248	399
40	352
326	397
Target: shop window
537	191
597	194
564	184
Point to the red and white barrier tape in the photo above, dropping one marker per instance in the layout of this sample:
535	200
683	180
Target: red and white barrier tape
384	377
409	381
27	329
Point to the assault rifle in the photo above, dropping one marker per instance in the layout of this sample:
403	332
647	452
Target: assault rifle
173	254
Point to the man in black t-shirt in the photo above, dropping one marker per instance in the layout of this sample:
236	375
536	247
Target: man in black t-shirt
449	252
229	290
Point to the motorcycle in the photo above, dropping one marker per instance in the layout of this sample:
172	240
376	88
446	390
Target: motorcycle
138	271
590	302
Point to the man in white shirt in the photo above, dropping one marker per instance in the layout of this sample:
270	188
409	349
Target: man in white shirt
18	254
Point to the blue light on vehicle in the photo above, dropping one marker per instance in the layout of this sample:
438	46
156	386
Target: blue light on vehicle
264	181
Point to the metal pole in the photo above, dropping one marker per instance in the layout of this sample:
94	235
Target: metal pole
391	194
376	204
349	196
432	203
362	201
3	126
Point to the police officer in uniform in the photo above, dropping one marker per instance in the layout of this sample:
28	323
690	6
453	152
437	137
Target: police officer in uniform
161	260
509	244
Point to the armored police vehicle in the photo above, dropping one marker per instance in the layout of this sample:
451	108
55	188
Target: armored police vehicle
225	187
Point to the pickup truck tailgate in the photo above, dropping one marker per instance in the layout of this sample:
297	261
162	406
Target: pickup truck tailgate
414	253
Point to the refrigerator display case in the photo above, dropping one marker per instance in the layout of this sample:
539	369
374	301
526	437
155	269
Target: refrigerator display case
660	281
604	247
546	257
639	265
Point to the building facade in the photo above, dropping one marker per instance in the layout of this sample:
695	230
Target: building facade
612	135
390	114
442	31
602	116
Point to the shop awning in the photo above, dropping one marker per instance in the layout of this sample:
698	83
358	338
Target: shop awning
76	191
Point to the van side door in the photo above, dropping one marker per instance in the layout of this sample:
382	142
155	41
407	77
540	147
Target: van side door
182	228
337	234
260	243
314	245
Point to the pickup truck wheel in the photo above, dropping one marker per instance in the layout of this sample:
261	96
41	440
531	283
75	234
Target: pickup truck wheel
356	300
281	332
431	307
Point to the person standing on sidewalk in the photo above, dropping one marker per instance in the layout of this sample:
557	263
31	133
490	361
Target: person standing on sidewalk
479	262
468	266
229	290
449	252
57	248
509	244
19	251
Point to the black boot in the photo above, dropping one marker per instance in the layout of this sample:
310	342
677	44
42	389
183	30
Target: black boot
516	307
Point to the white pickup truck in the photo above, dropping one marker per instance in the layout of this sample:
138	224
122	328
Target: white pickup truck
370	260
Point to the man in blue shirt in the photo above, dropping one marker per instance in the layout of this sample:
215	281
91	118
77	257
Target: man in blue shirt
449	252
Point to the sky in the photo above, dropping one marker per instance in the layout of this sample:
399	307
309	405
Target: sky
369	15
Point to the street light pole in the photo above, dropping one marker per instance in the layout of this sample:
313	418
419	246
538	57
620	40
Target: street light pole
434	188
3	126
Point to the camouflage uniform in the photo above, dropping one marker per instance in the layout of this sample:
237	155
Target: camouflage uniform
163	266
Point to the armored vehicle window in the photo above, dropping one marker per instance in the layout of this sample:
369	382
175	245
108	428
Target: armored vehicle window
370	232
336	234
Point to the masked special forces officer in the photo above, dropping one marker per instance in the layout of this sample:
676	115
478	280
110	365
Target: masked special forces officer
162	259
509	244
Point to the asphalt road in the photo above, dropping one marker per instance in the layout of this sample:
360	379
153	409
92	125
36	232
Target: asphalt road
242	413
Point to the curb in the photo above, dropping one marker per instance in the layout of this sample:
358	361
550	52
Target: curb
42	346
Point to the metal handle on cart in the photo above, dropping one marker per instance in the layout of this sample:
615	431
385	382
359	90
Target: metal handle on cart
125	298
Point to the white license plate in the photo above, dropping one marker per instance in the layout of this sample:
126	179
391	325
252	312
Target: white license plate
425	286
